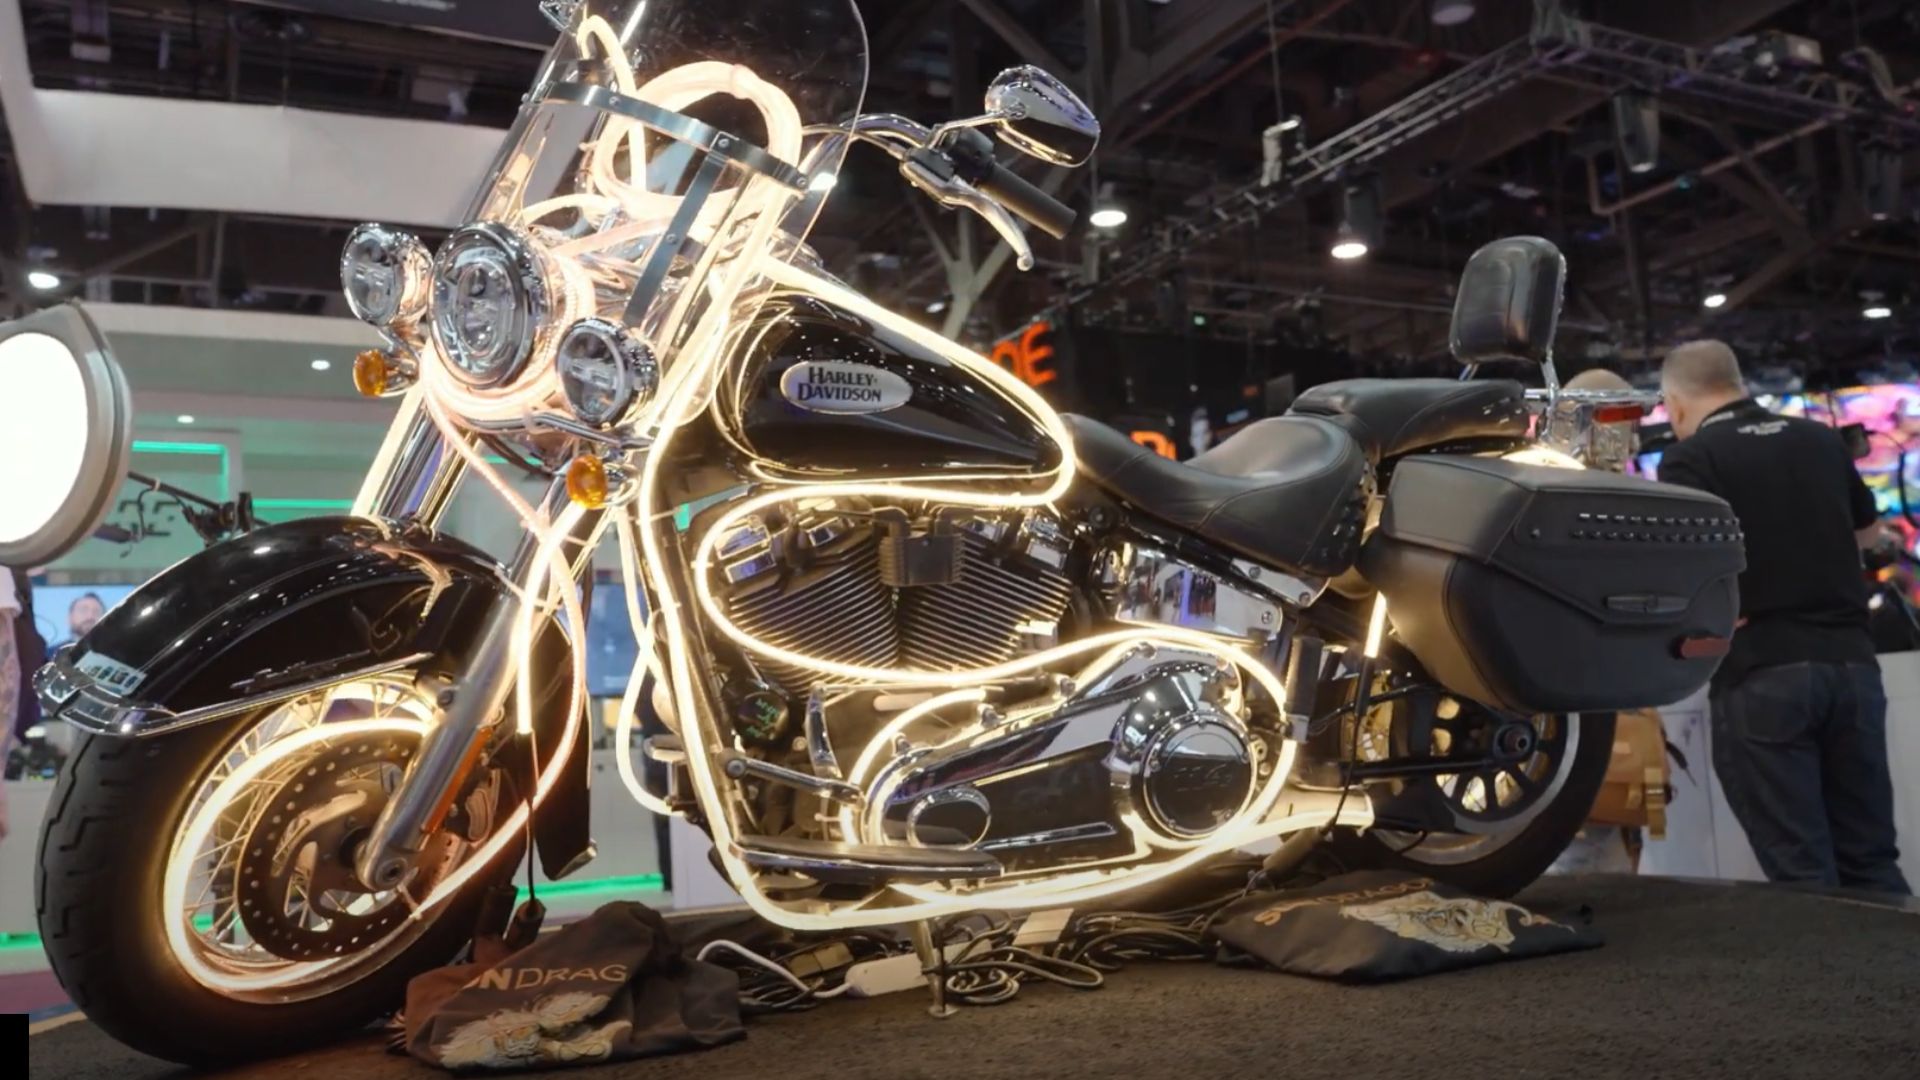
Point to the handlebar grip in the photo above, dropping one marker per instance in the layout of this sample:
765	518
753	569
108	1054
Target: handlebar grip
1047	213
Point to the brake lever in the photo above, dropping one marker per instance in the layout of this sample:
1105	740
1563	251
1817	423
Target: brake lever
931	173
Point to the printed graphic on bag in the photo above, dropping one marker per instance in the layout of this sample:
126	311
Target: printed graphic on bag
1377	925
1456	925
611	987
554	1031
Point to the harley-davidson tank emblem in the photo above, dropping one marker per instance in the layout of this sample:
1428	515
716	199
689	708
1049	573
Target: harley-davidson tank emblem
835	386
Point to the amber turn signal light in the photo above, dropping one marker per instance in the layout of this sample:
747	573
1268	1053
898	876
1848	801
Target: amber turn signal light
587	481
373	372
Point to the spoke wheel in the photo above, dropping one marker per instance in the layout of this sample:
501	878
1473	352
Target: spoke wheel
1509	818
261	902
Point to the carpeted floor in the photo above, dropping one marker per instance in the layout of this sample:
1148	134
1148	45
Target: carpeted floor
1694	981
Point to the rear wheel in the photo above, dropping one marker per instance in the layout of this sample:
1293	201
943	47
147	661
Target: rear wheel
1509	821
196	894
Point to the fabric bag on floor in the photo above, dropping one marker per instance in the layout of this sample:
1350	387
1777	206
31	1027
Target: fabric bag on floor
609	987
1380	925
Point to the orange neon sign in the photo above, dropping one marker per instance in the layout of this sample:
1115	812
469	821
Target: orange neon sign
1155	442
1027	355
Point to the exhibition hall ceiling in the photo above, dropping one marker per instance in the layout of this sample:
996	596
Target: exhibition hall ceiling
1783	216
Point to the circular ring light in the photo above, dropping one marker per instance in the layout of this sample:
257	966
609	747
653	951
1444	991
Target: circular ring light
63	452
604	369
386	274
493	299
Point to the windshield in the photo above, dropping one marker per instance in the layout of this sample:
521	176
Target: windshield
664	148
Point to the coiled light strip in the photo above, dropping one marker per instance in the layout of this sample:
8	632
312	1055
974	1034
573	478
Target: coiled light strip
679	404
689	383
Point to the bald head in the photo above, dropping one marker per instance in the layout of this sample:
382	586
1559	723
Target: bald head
1698	378
1597	379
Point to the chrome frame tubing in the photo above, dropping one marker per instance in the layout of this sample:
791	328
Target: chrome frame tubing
468	705
422	477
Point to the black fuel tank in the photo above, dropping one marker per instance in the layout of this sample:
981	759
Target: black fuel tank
823	393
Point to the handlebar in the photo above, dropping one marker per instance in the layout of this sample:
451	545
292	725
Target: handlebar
972	157
956	166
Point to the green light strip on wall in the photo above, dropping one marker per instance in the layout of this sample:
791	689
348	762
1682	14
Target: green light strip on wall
192	449
162	446
611	888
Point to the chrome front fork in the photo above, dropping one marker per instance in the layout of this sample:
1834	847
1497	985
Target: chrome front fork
472	699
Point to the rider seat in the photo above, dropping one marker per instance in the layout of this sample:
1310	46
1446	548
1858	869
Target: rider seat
1392	417
1289	492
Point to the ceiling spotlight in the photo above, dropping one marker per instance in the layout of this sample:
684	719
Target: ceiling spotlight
1876	311
1714	300
1360	225
1287	124
822	181
935	307
1107	211
1636	123
321	365
43	280
184	418
1452	12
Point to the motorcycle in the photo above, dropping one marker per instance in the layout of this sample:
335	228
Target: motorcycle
924	645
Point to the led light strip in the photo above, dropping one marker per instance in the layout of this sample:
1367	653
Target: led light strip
678	406
186	855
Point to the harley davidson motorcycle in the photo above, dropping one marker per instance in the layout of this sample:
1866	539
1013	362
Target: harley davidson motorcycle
924	645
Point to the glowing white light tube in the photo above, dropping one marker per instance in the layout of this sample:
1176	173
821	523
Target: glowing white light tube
679	404
1377	625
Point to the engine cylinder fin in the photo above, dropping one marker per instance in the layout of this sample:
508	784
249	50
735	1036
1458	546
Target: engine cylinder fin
975	621
838	611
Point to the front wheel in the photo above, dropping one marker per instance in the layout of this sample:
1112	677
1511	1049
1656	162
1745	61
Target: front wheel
196	893
1515	820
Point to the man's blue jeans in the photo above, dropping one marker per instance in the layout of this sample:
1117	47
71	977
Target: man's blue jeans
1801	750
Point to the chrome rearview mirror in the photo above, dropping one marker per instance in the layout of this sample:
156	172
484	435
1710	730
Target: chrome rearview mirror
64	446
1038	115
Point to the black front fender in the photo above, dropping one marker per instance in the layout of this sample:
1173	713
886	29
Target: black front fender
279	609
288	608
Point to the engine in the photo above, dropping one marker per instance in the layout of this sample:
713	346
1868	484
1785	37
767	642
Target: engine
882	588
1153	750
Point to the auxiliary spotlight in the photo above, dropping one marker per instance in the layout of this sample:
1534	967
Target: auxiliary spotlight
1348	245
1876	311
1452	12
44	280
1714	300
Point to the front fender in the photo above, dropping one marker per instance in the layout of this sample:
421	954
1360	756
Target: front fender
289	608
268	615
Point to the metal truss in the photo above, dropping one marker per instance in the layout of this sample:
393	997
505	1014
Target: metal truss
1571	50
1616	60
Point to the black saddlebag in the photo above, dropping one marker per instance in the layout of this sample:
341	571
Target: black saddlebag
1540	589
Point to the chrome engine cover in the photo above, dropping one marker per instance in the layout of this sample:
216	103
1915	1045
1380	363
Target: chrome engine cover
1153	752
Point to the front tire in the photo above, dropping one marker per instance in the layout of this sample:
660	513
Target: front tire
118	813
1498	864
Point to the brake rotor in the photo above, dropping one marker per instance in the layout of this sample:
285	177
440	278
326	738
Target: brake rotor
298	895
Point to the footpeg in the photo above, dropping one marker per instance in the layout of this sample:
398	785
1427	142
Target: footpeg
864	864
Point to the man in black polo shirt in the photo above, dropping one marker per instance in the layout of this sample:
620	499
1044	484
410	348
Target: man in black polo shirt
1799	716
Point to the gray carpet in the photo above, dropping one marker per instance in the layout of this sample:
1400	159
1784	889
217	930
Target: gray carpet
1694	981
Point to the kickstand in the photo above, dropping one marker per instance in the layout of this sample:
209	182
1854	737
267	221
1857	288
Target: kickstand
933	961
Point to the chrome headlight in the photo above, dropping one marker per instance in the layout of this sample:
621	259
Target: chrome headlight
604	369
493	297
385	273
